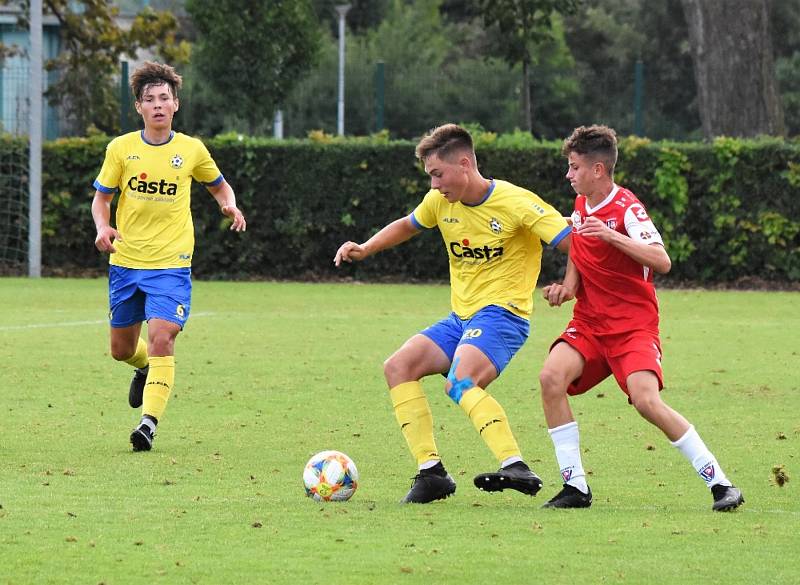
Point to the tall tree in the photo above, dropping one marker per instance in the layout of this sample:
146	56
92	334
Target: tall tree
251	54
734	67
93	43
523	25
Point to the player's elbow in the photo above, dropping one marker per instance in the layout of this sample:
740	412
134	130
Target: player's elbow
663	265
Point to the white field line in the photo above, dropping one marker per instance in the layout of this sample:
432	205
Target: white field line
77	323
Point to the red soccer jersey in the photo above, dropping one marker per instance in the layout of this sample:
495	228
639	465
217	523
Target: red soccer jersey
616	294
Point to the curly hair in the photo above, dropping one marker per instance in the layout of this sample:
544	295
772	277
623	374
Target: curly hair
151	73
598	142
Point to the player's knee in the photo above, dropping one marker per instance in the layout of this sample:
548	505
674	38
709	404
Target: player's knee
162	343
552	383
645	404
394	369
121	352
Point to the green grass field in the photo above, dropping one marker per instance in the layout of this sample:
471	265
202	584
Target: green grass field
270	373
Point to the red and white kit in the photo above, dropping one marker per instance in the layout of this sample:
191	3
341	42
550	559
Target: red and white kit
615	320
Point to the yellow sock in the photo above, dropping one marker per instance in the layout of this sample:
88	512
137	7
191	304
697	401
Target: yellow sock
490	420
139	358
160	379
415	419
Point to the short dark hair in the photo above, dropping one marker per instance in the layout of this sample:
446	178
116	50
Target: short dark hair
598	142
444	141
151	73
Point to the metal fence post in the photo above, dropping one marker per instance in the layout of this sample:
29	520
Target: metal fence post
380	87
638	93
124	100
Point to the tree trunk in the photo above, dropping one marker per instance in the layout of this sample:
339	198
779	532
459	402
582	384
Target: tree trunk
527	118
731	48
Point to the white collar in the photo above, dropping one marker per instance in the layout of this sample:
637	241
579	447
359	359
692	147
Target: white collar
604	202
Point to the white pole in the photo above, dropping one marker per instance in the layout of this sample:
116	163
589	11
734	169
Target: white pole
277	126
35	153
342	9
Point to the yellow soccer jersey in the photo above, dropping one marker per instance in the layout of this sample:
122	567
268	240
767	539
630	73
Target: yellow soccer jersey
153	214
494	247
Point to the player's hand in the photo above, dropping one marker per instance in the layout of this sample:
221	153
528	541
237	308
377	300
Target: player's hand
239	223
105	239
348	252
597	228
557	294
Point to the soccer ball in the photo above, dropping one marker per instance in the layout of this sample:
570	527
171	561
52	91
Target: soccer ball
330	476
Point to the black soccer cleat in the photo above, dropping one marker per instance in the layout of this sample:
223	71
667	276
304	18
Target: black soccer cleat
726	498
570	497
137	386
517	476
143	435
429	485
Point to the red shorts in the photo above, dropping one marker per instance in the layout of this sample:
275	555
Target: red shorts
620	355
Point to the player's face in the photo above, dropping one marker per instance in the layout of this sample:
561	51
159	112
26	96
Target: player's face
583	173
157	106
449	178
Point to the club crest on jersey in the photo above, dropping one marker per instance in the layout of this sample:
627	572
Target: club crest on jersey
576	220
495	225
176	161
612	224
707	472
566	473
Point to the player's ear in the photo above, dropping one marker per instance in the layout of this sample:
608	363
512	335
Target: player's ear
177	104
138	106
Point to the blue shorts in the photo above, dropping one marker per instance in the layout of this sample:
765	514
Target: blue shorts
136	295
498	333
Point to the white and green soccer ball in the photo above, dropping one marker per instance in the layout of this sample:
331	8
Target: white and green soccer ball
330	476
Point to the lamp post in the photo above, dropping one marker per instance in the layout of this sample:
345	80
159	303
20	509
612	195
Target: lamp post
342	10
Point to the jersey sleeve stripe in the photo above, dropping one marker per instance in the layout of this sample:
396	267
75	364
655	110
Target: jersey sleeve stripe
561	235
215	182
416	223
103	188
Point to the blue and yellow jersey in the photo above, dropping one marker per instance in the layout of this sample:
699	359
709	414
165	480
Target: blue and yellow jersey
494	247
153	214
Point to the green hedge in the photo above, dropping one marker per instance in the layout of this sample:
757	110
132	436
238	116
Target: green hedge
728	211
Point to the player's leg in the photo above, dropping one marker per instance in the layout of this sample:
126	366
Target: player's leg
574	365
486	343
167	307
418	357
126	313
643	389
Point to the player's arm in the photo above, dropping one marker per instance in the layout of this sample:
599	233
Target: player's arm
651	255
226	199
390	236
101	213
558	293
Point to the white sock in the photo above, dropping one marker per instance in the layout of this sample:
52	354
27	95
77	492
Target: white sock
510	461
568	454
428	464
703	461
